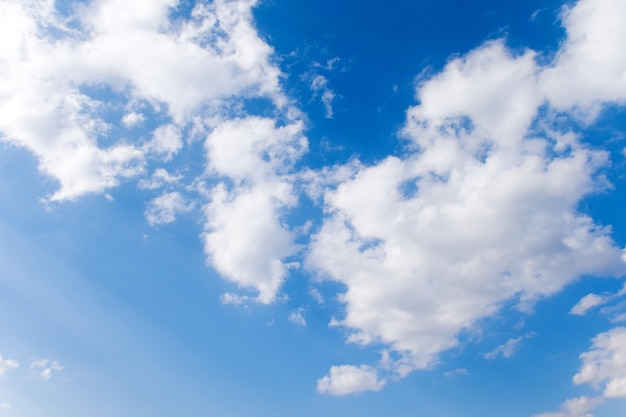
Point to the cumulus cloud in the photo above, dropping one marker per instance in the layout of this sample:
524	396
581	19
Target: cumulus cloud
7	365
245	236
43	368
349	379
605	365
483	208
163	209
55	74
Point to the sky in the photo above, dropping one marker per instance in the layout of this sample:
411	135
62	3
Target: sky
276	208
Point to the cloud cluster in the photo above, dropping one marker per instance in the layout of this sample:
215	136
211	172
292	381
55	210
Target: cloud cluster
484	208
69	80
43	368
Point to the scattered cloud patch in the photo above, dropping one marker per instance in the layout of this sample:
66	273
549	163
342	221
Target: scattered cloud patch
234	299
349	379
507	349
5	406
319	86
160	178
456	372
297	318
163	209
576	407
7	365
133	119
605	365
44	368
586	303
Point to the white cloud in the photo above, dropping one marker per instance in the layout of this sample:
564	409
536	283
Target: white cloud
605	364
319	86
507	349
5	406
576	407
163	209
43	368
586	303
297	318
135	54
483	210
246	239
456	372
160	178
133	119
234	299
166	141
7	365
349	379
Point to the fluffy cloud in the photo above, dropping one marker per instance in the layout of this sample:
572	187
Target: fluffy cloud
62	75
43	368
7	365
605	364
246	239
163	209
483	209
349	379
604	367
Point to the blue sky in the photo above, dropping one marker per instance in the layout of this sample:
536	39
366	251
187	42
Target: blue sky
242	208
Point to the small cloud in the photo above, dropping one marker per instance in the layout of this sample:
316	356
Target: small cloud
133	119
159	179
43	368
316	295
576	407
620	318
586	303
163	209
456	372
508	349
5	405
349	379
229	298
319	85
7	365
297	318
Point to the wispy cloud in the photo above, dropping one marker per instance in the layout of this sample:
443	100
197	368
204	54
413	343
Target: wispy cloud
7	365
44	368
